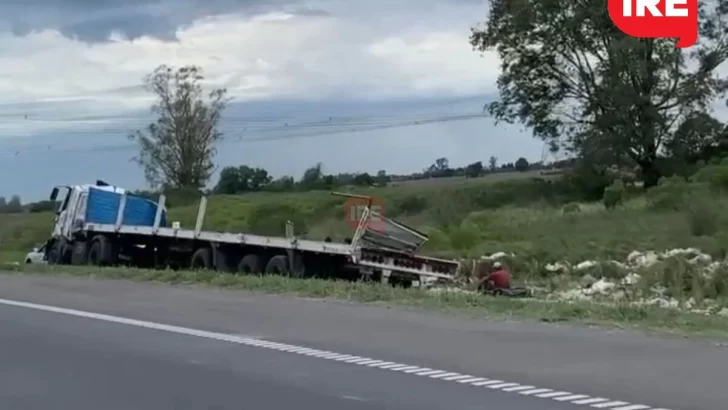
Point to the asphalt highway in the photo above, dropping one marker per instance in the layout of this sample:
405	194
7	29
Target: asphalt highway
92	344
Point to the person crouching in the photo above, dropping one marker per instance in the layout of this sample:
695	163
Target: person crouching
498	279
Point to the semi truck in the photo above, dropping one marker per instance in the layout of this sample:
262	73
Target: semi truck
101	224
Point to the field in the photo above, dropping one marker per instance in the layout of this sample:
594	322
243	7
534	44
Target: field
464	218
538	220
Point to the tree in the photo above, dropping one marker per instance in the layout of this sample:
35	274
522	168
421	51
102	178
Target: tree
521	164
493	163
177	150
312	177
14	205
382	179
234	180
695	137
282	184
363	179
579	83
474	170
439	169
42	206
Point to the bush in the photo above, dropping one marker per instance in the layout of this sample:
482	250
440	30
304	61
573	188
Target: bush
571	208
589	181
411	204
669	194
614	194
703	216
716	176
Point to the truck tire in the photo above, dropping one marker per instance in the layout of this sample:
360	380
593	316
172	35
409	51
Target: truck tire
79	255
59	254
54	253
94	253
101	251
250	264
277	265
201	259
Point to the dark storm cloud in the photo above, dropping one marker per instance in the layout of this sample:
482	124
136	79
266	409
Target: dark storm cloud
94	20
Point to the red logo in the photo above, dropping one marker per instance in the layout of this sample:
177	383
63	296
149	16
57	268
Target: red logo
354	210
657	19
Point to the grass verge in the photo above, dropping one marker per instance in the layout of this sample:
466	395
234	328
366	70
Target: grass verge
621	316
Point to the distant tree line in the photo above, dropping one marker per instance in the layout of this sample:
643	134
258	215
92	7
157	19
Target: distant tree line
242	179
15	206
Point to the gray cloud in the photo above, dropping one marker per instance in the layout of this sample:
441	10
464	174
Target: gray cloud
94	20
384	55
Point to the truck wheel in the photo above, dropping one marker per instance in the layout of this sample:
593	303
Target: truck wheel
79	255
101	251
201	259
53	253
250	264
58	253
94	254
277	265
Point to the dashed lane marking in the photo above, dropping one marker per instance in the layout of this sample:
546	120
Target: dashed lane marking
443	375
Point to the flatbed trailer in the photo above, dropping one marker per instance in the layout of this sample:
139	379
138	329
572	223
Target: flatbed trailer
387	256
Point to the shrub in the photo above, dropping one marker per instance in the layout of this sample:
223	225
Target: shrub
411	204
571	208
716	175
614	194
702	214
669	194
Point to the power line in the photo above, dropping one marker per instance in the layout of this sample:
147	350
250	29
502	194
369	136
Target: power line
284	132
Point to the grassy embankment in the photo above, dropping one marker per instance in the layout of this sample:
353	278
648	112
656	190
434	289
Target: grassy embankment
464	218
467	218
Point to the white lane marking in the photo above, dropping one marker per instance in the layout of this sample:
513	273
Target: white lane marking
458	377
502	385
518	388
591	400
553	394
443	375
488	382
534	391
571	398
610	404
471	380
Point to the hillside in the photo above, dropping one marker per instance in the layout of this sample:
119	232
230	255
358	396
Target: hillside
464	218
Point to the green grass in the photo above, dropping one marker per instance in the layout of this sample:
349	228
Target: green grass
648	318
464	218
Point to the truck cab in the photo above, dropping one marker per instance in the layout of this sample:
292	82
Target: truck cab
71	211
70	216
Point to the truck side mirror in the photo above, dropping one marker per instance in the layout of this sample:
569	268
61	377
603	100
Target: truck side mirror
54	194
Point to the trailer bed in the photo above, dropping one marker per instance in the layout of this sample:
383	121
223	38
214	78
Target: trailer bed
224	237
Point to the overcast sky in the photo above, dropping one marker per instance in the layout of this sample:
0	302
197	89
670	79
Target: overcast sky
336	81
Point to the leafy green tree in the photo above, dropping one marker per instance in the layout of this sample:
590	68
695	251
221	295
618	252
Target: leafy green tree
234	180
382	179
313	177
14	205
492	163
522	164
282	184
177	150
364	179
474	170
571	76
